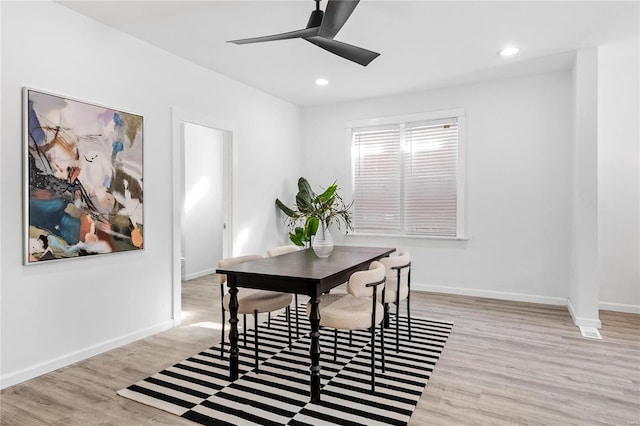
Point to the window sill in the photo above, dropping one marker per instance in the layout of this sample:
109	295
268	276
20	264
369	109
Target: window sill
419	237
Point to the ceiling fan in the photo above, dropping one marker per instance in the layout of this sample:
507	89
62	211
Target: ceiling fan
321	29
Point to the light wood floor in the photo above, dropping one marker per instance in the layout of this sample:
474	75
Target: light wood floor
506	363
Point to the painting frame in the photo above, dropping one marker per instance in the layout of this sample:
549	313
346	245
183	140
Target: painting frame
83	178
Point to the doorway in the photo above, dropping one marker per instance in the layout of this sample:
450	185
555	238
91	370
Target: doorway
203	221
202	203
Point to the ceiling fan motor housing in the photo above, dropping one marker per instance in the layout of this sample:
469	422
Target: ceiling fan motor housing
315	19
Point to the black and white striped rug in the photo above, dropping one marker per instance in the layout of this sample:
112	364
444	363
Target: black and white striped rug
199	389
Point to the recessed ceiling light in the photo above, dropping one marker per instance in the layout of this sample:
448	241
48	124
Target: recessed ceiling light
322	82
508	51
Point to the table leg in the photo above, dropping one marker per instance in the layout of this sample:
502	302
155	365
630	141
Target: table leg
314	319
233	332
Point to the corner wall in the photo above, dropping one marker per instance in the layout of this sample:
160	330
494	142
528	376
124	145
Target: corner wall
619	175
58	313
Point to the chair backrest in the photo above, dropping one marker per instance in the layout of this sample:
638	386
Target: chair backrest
225	263
358	281
403	258
277	251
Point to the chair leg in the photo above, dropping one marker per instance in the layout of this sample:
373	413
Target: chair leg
269	320
223	321
222	339
244	323
408	300
386	315
409	315
296	310
335	344
255	337
288	312
382	345
373	359
397	326
350	338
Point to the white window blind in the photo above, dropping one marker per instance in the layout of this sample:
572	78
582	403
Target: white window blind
377	184
405	178
430	178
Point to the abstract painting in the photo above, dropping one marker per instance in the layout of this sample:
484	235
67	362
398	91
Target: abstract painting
83	178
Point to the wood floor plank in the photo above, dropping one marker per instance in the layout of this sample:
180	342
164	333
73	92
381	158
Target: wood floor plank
506	363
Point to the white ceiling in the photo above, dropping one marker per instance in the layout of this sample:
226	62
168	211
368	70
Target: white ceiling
423	44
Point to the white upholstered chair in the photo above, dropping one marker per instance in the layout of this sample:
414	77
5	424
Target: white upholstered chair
251	301
397	289
361	308
277	251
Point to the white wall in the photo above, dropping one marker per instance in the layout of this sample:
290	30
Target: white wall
519	134
56	313
619	176
203	212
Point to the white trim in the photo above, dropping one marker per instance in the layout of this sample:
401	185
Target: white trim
501	295
520	297
395	119
62	361
619	307
582	321
461	191
177	153
199	274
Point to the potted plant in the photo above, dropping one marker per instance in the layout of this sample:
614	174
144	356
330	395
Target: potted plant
315	213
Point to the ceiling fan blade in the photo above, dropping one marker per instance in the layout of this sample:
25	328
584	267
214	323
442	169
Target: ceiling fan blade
335	16
306	32
347	51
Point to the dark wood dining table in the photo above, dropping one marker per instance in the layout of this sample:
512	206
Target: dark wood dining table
300	272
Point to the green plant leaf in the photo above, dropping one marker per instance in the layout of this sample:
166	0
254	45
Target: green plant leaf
311	226
305	187
286	210
295	239
304	203
328	194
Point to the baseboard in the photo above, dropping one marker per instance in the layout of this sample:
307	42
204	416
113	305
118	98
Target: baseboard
501	295
14	378
194	275
619	307
582	321
519	297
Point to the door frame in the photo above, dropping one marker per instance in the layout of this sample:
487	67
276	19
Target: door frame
229	129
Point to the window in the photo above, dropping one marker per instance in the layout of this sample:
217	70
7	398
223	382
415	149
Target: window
408	175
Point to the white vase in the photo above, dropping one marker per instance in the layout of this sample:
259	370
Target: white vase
322	242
